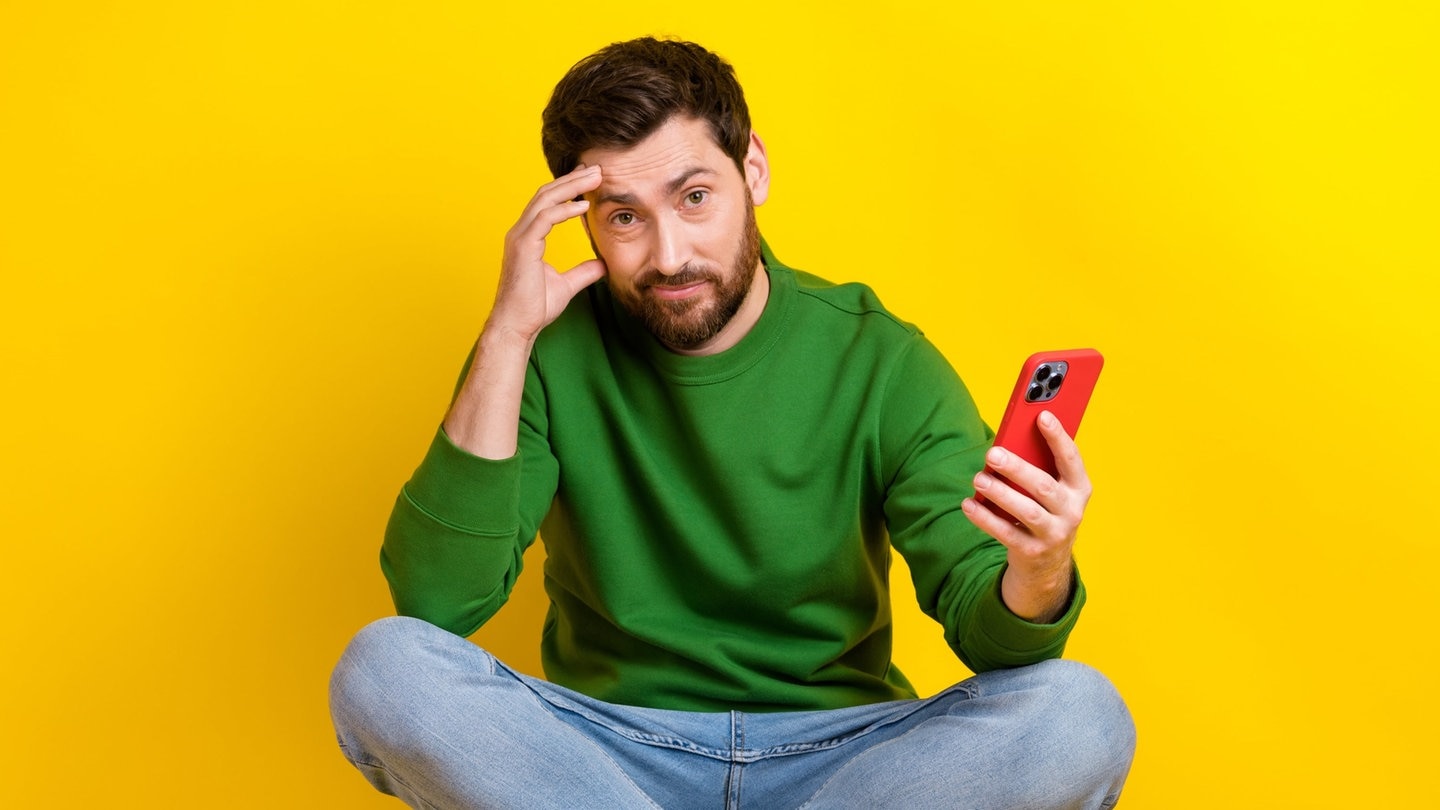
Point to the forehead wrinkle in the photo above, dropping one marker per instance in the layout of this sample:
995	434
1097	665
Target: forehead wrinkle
640	159
691	154
673	185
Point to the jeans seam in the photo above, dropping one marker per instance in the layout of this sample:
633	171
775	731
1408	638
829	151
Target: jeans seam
791	749
392	776
560	703
736	771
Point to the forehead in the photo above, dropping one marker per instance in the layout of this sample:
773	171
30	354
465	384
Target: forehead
680	146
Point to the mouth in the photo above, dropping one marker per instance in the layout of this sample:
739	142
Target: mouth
668	292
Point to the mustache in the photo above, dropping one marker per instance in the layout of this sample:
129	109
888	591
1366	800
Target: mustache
687	275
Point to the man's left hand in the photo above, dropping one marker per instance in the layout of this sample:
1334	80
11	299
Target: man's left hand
1040	571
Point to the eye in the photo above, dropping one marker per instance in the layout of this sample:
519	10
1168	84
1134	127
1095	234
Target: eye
696	197
623	218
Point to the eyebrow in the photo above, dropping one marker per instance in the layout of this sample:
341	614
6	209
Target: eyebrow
675	184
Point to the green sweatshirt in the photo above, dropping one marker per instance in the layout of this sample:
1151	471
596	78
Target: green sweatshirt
718	529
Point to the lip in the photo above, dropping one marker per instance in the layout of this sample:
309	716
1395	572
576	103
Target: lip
676	293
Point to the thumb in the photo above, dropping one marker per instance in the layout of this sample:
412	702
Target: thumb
583	275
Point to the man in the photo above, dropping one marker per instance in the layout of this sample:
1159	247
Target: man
720	452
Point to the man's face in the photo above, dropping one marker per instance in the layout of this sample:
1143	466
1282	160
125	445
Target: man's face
674	221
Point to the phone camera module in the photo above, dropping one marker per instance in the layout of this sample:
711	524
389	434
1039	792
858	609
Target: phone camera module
1046	381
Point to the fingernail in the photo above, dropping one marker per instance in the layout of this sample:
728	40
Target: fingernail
983	480
996	456
1048	419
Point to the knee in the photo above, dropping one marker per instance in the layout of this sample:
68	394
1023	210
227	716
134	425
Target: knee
376	647
378	666
1084	688
1068	710
390	637
370	655
1087	712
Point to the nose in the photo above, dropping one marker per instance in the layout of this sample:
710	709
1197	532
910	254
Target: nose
671	249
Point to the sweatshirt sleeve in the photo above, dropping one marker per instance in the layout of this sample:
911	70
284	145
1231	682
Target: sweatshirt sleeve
454	545
932	443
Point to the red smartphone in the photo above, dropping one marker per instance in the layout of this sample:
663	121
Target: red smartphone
1059	382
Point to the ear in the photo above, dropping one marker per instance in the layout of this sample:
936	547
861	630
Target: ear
757	170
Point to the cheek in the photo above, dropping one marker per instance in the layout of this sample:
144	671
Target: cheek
622	261
707	234
614	253
734	217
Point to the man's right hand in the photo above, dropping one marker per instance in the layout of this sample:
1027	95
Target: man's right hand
485	417
533	293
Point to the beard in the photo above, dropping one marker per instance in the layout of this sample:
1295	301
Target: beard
689	323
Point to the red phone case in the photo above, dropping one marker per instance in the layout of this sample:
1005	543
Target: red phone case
1018	431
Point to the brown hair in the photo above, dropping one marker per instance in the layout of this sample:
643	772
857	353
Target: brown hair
619	95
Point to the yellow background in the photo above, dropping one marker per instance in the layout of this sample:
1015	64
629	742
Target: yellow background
245	247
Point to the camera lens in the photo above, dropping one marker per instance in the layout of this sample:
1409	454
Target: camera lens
1054	382
1035	392
1042	373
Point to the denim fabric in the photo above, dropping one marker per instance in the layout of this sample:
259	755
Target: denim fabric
440	723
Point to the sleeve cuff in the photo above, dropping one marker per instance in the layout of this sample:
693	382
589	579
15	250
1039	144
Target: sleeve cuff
1023	641
474	494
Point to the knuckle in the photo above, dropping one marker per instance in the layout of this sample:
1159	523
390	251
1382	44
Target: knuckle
1031	553
1033	514
1048	488
1000	531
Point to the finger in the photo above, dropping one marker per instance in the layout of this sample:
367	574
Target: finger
583	275
561	288
992	524
557	192
1023	508
546	219
1068	464
1035	482
582	178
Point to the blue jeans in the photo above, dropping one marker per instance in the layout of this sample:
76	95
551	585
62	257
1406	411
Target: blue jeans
438	722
